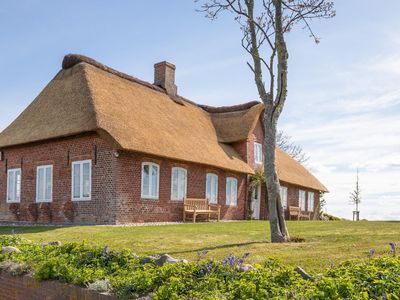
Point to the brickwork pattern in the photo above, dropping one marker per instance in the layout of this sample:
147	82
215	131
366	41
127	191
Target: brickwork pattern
27	288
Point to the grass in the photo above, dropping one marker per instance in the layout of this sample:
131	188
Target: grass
326	242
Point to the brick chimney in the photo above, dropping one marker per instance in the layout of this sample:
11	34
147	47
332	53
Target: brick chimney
164	76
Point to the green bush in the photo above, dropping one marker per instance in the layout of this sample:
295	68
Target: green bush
84	264
330	217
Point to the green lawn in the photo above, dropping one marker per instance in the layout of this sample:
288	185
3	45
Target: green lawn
326	242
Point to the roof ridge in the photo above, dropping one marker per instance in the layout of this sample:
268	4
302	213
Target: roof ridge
231	108
71	60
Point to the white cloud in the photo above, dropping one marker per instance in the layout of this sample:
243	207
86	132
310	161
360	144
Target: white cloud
354	124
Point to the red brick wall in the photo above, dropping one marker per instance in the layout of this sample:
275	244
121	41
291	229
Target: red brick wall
293	199
27	288
116	184
134	209
61	153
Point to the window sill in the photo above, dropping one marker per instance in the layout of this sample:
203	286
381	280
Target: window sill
12	201
149	198
176	200
44	201
80	199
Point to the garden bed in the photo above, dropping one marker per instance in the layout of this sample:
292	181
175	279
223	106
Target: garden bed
129	276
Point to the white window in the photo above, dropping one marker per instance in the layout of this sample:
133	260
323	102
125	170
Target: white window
212	188
178	183
231	191
302	200
150	180
44	183
82	180
284	196
310	201
258	155
13	185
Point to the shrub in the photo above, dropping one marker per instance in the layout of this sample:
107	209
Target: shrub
122	273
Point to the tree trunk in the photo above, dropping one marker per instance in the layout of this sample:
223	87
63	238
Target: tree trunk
279	232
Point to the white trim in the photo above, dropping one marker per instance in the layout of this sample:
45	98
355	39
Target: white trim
302	196
44	168
312	201
255	203
212	175
80	164
172	184
284	196
14	200
258	153
229	195
142	195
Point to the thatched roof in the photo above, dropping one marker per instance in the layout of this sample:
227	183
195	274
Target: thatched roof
138	116
291	171
85	97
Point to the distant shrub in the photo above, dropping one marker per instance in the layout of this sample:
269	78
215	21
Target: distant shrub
122	273
329	217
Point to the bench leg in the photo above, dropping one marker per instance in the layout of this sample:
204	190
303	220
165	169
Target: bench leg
184	216
194	217
208	217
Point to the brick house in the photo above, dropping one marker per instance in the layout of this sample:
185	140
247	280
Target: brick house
101	147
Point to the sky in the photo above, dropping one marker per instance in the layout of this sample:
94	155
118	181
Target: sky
343	103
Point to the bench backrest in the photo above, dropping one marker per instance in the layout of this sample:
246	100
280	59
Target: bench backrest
201	204
294	210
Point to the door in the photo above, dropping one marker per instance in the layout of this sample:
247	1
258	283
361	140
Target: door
255	203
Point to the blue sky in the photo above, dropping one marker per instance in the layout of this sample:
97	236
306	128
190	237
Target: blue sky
343	106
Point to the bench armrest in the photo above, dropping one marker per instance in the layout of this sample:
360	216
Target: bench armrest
214	206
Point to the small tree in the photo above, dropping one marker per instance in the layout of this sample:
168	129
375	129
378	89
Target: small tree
355	199
285	142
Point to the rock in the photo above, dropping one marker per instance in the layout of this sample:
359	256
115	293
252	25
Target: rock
185	261
245	268
147	297
166	259
55	243
149	259
303	273
9	249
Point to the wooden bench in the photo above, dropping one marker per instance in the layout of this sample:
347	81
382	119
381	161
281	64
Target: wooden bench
295	212
305	215
193	207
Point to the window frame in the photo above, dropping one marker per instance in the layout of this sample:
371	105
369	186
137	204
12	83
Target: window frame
142	195
212	175
45	200
172	184
258	156
81	163
302	207
229	196
14	200
308	201
284	204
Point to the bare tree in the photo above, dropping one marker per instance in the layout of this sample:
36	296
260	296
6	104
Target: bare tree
285	142
355	199
264	24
